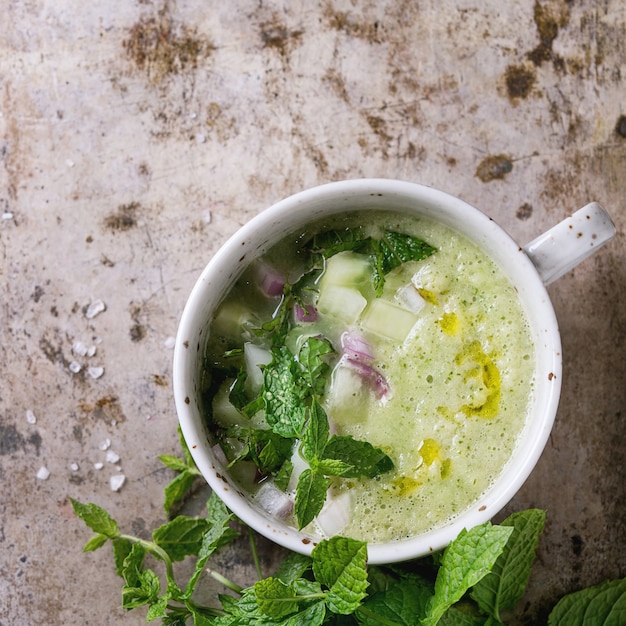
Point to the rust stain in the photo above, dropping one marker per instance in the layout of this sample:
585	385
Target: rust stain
276	36
160	48
520	80
494	167
159	380
337	83
548	17
218	122
344	22
124	218
137	330
524	212
107	409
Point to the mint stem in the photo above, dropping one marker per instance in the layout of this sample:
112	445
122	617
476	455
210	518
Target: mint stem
255	553
155	550
227	583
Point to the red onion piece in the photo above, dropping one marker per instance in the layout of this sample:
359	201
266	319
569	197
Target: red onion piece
308	313
355	346
271	281
376	381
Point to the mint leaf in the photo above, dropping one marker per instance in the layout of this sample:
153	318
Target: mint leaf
283	394
332	242
283	476
121	549
267	450
316	433
275	598
238	395
393	250
97	541
96	518
504	586
157	609
465	614
334	467
340	564
403	603
141	586
181	537
218	535
173	462
310	496
398	248
245	611
178	488
366	460
465	561
293	566
315	368
600	605
191	464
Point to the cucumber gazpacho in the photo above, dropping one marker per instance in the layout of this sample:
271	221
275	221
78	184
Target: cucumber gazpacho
369	377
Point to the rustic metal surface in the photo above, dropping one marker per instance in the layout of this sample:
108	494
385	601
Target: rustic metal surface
136	136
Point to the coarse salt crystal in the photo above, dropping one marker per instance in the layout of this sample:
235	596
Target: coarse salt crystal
95	372
200	138
105	445
7	215
95	308
74	467
170	342
79	348
75	367
30	417
98	465
116	481
43	473
112	457
206	216
91	351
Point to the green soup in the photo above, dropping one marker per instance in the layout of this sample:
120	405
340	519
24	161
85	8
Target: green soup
432	365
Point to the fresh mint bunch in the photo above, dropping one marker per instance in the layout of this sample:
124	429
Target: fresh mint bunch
480	576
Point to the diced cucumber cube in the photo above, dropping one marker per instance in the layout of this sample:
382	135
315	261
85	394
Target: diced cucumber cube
409	298
224	413
254	357
231	320
388	320
347	397
346	269
343	303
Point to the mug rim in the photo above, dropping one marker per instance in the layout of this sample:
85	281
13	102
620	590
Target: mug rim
251	240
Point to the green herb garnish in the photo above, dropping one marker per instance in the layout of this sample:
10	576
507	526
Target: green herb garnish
390	251
474	581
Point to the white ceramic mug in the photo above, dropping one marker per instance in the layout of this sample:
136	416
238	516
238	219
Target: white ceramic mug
529	268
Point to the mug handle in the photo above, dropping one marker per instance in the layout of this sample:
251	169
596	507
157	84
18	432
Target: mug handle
565	245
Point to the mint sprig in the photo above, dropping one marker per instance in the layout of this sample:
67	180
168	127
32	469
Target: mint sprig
477	578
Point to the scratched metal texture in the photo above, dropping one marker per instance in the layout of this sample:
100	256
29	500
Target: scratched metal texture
137	135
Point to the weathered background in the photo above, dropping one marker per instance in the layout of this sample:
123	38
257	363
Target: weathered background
135	136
